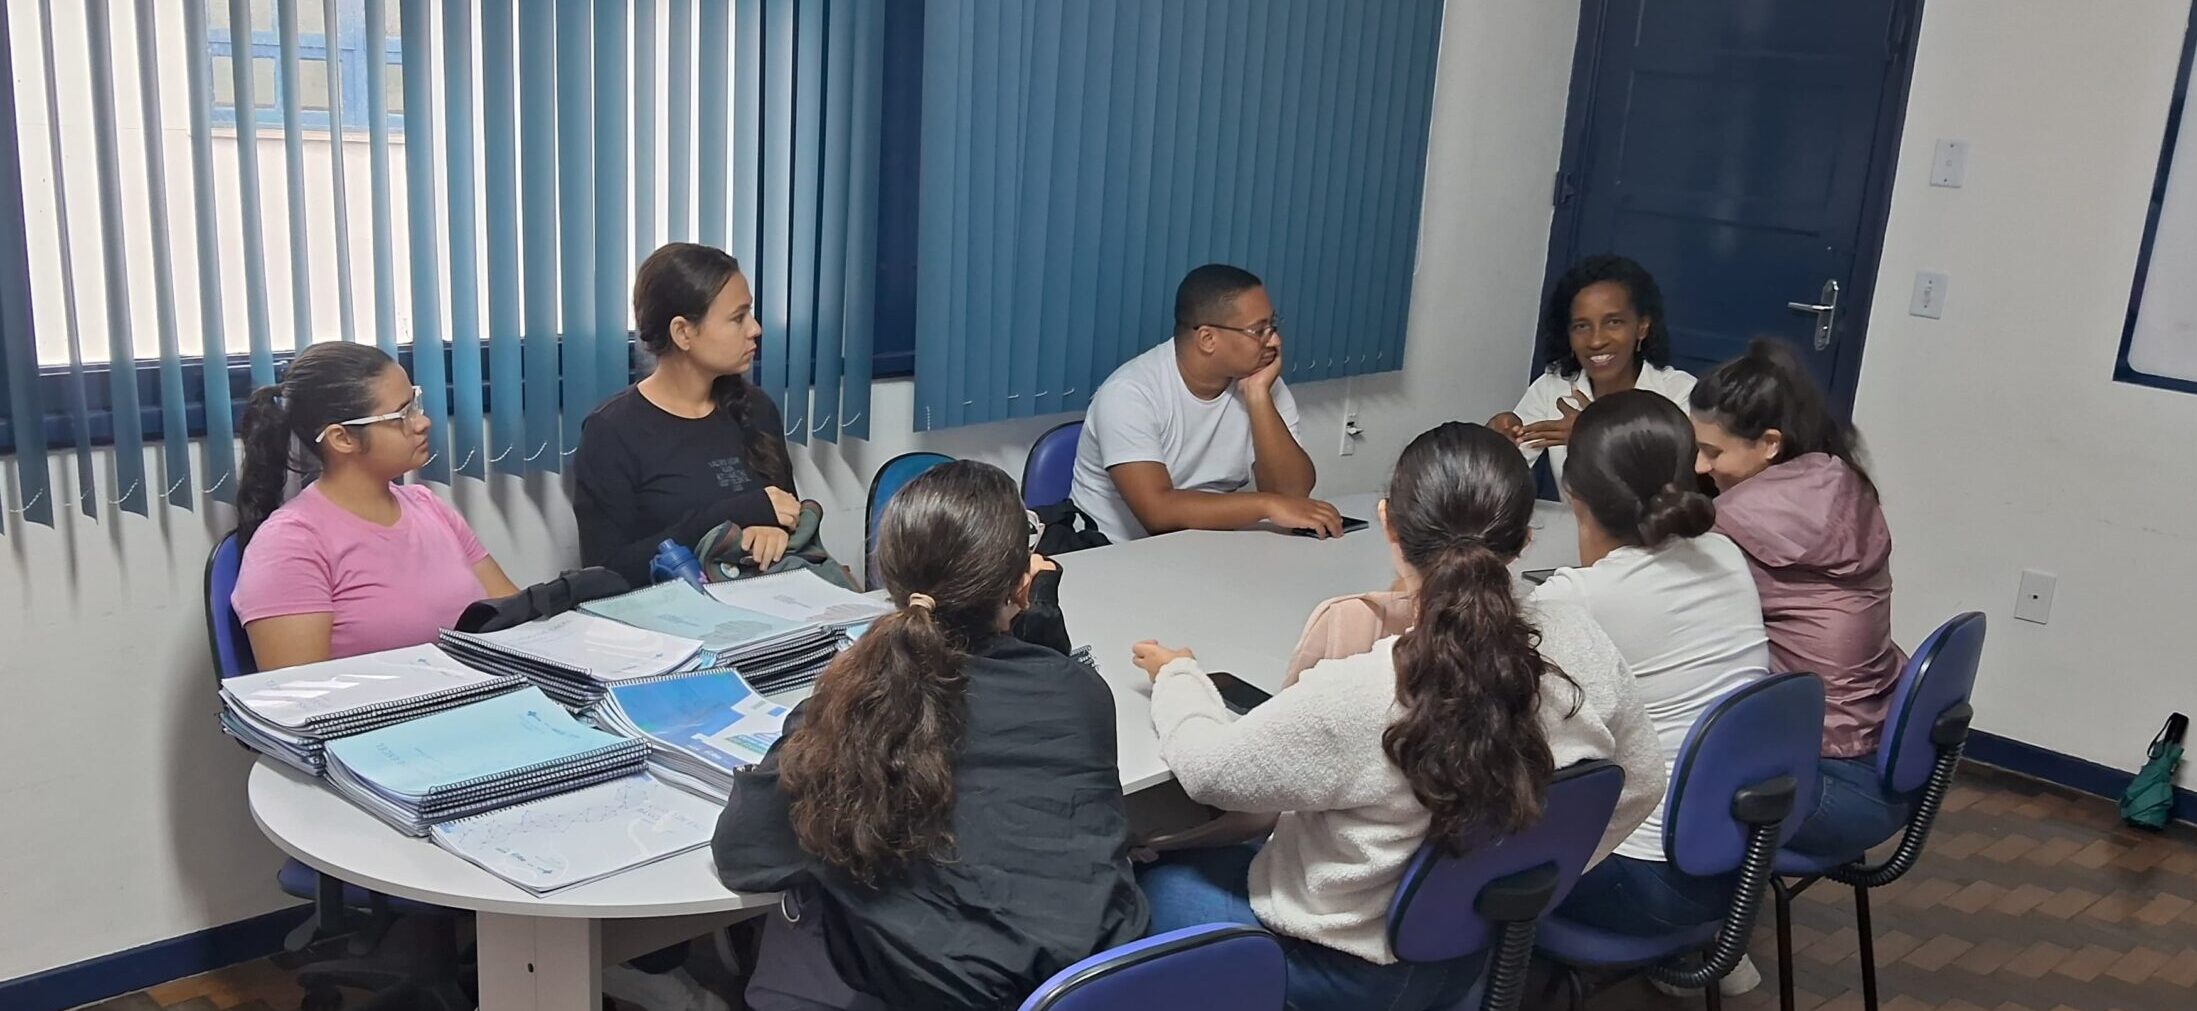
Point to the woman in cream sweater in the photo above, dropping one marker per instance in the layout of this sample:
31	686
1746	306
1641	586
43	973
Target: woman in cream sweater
1450	729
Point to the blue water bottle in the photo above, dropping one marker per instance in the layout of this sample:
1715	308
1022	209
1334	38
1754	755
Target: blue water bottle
673	561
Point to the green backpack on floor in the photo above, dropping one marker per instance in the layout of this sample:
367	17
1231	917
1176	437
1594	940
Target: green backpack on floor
2149	800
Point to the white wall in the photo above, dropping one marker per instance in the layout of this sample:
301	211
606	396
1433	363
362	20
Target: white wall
148	837
1997	434
1999	437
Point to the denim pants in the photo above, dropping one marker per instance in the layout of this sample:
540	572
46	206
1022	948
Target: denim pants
1646	898
1853	811
1192	887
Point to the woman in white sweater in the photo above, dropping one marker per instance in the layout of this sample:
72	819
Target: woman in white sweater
1451	730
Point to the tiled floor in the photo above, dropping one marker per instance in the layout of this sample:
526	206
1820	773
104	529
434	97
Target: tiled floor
2030	897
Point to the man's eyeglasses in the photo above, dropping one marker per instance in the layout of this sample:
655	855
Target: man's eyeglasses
1264	331
410	411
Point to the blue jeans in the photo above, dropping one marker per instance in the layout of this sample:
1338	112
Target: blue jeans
1853	812
1191	887
1646	898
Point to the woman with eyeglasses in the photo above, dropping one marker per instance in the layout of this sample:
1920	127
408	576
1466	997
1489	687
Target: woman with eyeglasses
354	563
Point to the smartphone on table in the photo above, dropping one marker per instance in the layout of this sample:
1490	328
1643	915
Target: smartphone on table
1238	695
1350	525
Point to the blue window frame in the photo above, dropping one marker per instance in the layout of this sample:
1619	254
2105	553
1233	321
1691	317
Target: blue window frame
2123	369
265	49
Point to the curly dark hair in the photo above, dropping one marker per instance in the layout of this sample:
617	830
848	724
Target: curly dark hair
680	280
1647	300
1469	673
870	774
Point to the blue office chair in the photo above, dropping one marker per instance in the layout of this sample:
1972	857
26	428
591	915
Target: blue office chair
1050	472
1448	907
891	477
1748	763
430	978
1924	731
1214	967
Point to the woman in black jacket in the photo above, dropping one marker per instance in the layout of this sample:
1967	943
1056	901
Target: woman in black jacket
947	806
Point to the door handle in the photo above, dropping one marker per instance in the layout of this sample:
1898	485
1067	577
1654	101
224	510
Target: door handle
1826	313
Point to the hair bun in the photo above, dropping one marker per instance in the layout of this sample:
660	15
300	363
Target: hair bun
1676	511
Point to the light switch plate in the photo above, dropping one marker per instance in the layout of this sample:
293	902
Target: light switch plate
2033	602
1929	297
1949	166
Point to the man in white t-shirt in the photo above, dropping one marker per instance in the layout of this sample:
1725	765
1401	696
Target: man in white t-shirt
1175	434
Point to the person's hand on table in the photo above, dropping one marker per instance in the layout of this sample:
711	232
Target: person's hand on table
765	545
1309	514
1150	656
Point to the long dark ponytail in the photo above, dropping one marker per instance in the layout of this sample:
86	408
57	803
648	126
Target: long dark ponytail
871	772
1468	674
679	281
1632	466
325	384
1768	388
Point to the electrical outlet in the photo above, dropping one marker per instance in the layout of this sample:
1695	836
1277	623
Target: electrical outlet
1949	164
1351	434
2033	602
1929	298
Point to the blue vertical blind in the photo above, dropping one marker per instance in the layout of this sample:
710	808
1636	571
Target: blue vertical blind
1078	158
185	202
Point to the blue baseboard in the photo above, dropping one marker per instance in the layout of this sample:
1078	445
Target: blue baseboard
2065	770
151	964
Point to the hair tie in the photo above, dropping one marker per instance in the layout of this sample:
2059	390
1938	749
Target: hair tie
923	601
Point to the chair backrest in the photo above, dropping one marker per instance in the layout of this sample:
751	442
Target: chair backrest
1050	472
232	650
1448	906
1939	677
1215	967
1748	740
891	477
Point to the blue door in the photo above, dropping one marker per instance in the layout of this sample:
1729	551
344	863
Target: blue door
1742	151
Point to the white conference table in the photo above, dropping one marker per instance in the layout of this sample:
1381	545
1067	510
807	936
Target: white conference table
1239	598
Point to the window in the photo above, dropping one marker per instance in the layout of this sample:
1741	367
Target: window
317	86
173	252
2159	341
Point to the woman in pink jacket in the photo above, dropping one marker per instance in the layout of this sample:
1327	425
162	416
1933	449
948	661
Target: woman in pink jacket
1798	503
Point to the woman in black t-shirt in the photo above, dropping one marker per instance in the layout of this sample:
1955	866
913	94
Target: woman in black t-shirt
694	444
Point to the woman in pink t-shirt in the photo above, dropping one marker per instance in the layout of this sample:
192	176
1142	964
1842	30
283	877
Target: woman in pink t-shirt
355	563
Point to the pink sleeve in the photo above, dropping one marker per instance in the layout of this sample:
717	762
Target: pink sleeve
283	573
460	530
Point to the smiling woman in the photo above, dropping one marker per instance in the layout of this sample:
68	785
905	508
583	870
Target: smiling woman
1602	332
355	563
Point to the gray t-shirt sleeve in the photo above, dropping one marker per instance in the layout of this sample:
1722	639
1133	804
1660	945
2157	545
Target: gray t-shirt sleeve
1125	426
